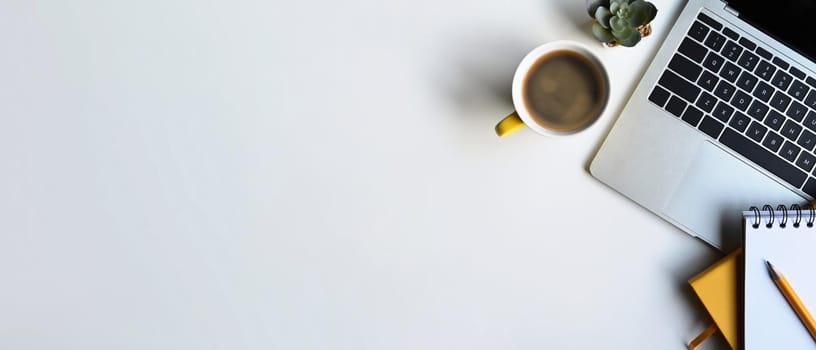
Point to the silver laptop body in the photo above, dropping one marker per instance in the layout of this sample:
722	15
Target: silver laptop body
658	155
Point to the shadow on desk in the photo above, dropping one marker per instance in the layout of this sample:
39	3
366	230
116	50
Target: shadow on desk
477	70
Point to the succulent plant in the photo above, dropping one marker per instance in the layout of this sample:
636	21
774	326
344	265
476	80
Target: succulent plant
620	21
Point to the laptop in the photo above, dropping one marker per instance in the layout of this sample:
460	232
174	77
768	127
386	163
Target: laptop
723	119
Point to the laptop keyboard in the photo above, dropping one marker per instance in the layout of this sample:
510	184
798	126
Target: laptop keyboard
747	99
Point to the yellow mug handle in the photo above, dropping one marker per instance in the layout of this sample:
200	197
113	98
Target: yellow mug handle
510	124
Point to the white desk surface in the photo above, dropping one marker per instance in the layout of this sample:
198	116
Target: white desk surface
244	174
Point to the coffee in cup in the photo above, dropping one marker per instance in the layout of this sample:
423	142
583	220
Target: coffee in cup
559	88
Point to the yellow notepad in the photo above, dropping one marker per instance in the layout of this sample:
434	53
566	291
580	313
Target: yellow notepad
717	289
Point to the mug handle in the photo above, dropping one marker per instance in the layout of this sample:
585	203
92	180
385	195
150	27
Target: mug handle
510	124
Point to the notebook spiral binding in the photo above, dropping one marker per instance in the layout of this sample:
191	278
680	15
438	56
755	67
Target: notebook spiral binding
783	214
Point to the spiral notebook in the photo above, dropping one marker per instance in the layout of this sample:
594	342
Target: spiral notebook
787	238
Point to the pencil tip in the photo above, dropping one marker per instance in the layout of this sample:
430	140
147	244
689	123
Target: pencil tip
772	270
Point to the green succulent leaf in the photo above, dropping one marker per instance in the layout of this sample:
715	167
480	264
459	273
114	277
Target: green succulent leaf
618	24
618	2
641	13
652	12
592	6
602	34
603	16
624	32
629	40
614	7
622	11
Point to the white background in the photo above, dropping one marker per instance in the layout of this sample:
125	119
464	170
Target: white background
179	174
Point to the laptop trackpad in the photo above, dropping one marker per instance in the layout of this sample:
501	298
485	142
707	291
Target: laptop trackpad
714	191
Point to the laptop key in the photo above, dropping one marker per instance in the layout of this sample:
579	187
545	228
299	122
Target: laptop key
758	110
685	67
715	41
807	140
811	81
723	112
724	90
763	91
797	73
730	72
806	161
692	50
710	21
698	31
765	70
730	33
731	50
781	80
708	80
763	158
713	62
747	43
791	130
789	151
679	86
780	101
796	111
676	106
711	127
780	63
810	100
706	102
798	90
747	81
810	121
764	53
692	115
774	120
773	141
810	187
659	96
741	100
739	121
748	60
756	131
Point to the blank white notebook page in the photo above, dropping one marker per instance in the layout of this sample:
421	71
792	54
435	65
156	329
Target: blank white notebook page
770	322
